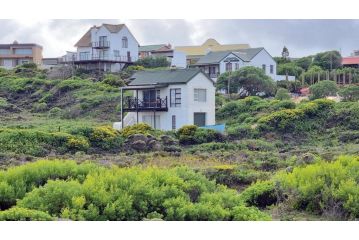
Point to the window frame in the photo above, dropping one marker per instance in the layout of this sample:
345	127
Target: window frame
229	67
177	100
196	95
264	67
271	69
124	42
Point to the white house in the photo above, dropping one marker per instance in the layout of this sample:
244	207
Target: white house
169	99
216	63
107	47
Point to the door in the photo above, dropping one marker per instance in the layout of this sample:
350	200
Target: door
128	56
199	119
149	98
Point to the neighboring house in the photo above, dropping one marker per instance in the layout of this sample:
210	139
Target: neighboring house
48	63
216	63
160	50
107	48
169	99
351	61
16	53
194	53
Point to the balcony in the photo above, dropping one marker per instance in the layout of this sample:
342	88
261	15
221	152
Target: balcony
100	44
85	58
213	75
133	104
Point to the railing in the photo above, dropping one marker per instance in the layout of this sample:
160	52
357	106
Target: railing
102	57
135	104
101	44
213	75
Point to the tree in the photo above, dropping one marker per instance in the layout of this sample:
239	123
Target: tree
289	69
282	94
153	62
247	81
328	60
304	62
285	53
350	93
323	89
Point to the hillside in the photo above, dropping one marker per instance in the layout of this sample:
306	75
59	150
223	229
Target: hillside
270	152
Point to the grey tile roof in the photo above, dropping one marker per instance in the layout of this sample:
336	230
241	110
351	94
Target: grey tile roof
212	57
148	48
248	54
164	76
215	57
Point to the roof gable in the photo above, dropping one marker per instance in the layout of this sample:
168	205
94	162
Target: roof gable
171	76
248	54
149	48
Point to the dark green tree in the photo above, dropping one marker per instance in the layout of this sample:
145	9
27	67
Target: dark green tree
328	60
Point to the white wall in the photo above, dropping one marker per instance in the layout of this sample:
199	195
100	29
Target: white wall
222	64
185	113
179	59
264	58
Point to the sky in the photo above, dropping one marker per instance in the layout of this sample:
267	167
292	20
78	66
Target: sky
301	37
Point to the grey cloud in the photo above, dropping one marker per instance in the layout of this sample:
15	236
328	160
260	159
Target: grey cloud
302	37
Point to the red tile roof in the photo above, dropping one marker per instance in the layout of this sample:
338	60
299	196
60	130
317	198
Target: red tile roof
350	60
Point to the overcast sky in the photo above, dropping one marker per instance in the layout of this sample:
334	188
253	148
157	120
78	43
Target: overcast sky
302	37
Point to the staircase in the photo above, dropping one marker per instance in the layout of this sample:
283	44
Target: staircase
128	120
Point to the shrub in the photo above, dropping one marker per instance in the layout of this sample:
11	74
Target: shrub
39	107
350	93
282	94
325	187
140	128
191	134
285	104
55	112
261	194
241	131
76	143
153	62
106	138
323	89
125	193
113	80
24	214
3	102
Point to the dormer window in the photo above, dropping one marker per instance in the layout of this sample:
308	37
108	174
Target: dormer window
124	42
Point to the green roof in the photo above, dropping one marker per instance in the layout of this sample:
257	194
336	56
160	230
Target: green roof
149	48
170	76
216	57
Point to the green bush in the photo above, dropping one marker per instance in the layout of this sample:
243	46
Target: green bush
191	134
140	128
350	93
39	107
55	112
325	187
3	102
113	80
153	62
261	194
24	214
323	89
124	193
282	94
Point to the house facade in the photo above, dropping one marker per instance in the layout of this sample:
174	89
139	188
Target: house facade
107	48
194	53
169	99
159	50
216	63
12	55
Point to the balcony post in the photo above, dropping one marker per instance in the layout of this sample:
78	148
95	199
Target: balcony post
121	108
137	104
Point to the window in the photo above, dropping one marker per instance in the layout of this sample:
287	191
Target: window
175	95
4	51
124	42
153	121
173	122
23	51
264	67
200	95
116	53
84	55
228	67
271	69
103	41
236	66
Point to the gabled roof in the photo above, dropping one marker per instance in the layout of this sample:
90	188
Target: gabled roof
248	54
149	48
210	45
213	57
216	57
160	77
350	60
85	40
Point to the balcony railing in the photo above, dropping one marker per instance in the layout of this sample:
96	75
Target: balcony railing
133	104
99	57
101	44
213	75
